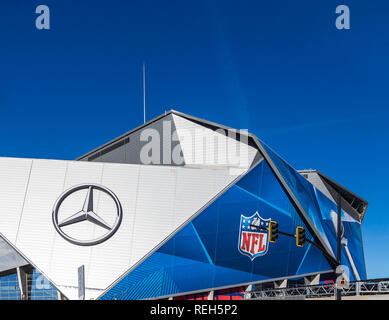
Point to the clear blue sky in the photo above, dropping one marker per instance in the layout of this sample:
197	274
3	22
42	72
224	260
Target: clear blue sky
317	95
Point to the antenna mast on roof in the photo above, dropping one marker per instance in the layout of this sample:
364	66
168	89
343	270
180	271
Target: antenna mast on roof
144	93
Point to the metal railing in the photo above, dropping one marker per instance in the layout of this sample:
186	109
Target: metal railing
356	288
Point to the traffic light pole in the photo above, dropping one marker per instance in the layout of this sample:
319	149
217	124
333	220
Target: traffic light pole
339	248
334	262
337	262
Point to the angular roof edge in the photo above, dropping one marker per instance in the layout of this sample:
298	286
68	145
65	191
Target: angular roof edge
260	149
150	122
346	193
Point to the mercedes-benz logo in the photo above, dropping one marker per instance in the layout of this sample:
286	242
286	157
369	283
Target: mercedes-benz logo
87	214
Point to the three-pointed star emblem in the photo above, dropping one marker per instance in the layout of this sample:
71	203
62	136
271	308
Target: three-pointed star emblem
86	213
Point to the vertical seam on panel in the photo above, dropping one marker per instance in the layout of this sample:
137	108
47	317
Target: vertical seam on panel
135	212
54	235
24	201
91	248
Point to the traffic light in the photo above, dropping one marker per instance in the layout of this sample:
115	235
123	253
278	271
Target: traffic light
300	236
273	231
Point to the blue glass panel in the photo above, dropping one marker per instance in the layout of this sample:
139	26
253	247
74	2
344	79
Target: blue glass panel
323	214
9	287
302	190
41	288
353	247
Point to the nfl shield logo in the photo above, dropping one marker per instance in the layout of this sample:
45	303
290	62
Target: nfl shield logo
253	242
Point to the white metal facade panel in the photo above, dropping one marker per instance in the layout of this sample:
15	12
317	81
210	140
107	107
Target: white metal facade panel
154	208
194	179
36	234
203	146
118	249
14	175
45	185
156	200
63	251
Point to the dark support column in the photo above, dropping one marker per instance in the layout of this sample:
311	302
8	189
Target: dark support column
339	248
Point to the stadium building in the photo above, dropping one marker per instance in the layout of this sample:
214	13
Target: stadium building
177	208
